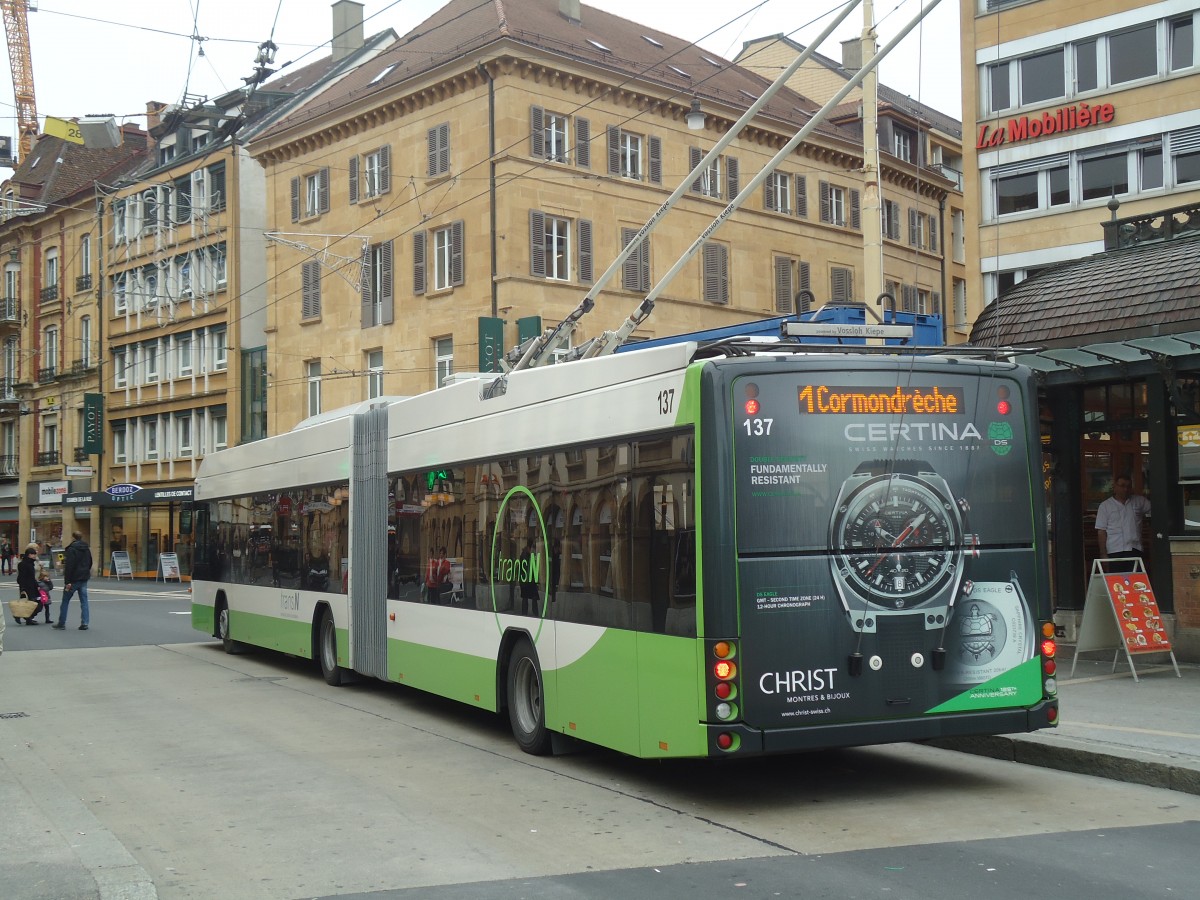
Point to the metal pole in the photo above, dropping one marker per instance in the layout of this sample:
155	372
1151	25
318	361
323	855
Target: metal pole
543	345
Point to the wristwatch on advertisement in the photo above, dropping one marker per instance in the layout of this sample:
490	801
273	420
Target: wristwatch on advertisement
899	544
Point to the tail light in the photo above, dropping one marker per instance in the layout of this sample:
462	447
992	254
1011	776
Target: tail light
723	682
1049	666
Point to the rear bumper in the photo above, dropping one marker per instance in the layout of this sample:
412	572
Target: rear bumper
887	731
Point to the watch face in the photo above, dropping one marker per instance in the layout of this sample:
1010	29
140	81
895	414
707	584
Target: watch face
896	542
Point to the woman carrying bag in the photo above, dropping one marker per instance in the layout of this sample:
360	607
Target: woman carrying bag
27	581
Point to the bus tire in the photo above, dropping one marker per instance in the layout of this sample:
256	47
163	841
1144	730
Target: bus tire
327	650
526	707
223	633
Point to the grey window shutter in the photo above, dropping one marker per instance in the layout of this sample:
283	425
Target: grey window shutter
655	160
385	168
716	273
583	143
354	179
614	151
537	244
366	292
838	284
537	141
585	252
824	188
912	227
418	262
456	253
694	157
802	196
769	201
907	300
310	276
733	180
636	271
802	304
431	140
444	147
783	285
295	199
323	191
387	298
933	234
855	210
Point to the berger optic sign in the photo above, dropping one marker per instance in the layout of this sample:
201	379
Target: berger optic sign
1060	121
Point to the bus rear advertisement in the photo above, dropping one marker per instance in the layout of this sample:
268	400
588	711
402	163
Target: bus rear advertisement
673	552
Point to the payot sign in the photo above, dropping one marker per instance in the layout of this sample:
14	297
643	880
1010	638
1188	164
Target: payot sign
1061	120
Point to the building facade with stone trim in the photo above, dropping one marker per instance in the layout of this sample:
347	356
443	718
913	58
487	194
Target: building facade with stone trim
1067	104
485	173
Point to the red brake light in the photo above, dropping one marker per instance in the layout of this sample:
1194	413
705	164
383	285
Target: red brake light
1050	667
1051	716
724	670
1049	648
724	740
1003	407
751	407
723	690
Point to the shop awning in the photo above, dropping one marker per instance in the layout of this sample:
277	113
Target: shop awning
1116	360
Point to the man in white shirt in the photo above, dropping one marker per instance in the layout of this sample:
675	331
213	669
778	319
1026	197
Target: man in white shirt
1119	521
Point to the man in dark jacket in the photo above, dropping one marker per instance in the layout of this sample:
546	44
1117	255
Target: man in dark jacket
77	569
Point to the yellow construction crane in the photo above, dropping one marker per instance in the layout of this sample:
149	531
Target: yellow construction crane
16	28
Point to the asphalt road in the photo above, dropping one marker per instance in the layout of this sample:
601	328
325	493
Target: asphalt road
142	766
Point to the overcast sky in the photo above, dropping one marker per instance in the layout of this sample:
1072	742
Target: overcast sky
110	58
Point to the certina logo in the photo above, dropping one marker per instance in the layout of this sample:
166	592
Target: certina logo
798	681
913	431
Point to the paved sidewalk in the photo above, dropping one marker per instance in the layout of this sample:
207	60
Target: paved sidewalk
1145	731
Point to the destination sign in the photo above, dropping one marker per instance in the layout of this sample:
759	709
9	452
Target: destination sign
821	399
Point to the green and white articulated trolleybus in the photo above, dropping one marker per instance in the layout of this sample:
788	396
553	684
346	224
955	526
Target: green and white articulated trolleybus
679	551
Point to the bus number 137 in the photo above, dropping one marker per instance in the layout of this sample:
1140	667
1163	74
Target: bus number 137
758	427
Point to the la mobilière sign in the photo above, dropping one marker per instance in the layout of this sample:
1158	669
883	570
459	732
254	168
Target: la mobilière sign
1059	121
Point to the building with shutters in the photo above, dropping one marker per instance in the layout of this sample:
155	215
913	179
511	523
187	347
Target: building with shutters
1068	105
183	297
51	331
920	154
469	186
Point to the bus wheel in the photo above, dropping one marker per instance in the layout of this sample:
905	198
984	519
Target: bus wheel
526	711
228	643
327	650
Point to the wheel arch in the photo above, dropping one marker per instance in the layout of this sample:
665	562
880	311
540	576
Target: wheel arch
220	602
508	641
314	632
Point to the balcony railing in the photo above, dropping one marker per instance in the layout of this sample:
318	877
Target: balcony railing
49	293
83	283
1164	225
8	390
50	373
81	366
48	458
9	467
9	311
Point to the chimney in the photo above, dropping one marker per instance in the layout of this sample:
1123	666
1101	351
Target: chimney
570	11
347	28
852	54
154	111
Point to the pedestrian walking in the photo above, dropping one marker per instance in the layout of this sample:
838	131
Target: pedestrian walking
6	557
27	585
77	569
